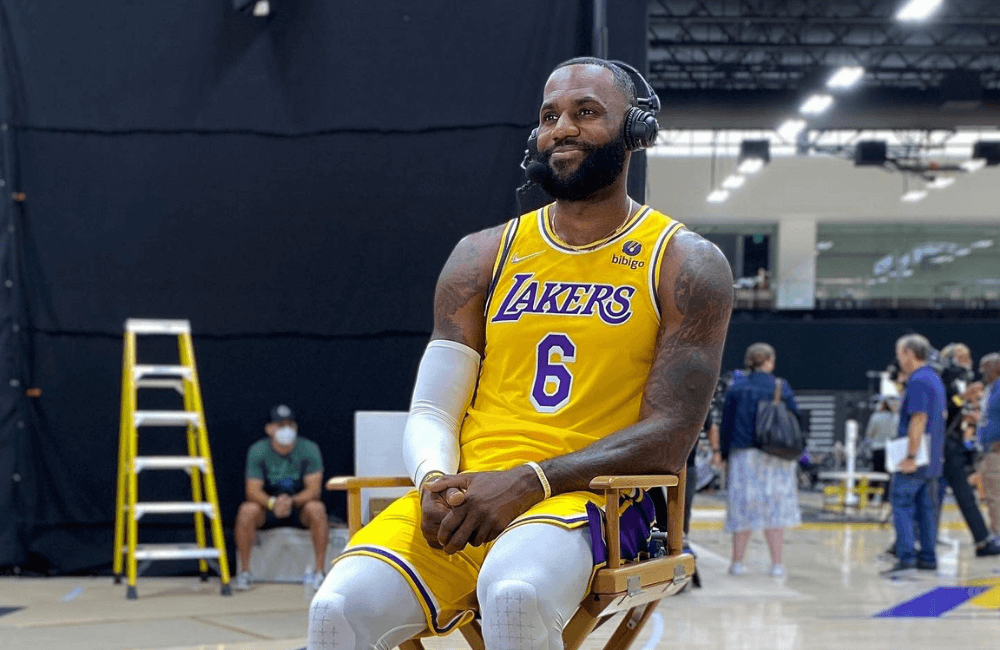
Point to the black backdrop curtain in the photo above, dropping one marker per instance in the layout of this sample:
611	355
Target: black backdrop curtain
292	185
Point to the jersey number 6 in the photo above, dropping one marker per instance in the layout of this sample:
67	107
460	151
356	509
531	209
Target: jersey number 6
553	382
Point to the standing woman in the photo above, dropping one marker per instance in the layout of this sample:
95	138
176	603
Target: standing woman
763	489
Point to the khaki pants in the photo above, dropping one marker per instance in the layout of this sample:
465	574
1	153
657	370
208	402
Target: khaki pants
989	469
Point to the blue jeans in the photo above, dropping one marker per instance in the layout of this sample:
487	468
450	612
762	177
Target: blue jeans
913	505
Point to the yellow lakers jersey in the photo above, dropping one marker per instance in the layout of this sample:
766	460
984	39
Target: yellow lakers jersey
570	338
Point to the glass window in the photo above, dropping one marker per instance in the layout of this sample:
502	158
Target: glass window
907	265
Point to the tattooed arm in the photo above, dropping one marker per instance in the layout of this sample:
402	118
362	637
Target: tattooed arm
696	301
460	296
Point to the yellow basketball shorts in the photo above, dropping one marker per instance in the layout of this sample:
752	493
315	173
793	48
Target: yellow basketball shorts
445	585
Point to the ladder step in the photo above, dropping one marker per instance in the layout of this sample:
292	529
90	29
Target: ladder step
169	462
171	507
166	418
168	371
176	384
157	326
172	552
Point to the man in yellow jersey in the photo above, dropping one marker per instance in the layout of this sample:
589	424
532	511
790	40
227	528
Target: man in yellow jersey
580	340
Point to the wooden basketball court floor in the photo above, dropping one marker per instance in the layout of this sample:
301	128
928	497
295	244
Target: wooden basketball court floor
832	598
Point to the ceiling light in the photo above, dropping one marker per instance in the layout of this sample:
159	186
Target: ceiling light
750	166
962	252
816	104
942	259
735	181
718	196
824	245
845	77
913	196
982	243
918	9
791	128
941	182
973	165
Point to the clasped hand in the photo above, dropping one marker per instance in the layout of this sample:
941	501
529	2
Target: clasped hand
475	508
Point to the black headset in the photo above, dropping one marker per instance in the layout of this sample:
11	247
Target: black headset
639	129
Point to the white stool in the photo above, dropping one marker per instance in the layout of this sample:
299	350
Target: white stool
283	554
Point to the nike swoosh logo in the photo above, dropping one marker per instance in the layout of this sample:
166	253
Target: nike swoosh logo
515	259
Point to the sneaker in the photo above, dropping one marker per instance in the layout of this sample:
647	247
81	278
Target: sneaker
777	570
737	569
243	581
899	569
991	547
317	580
924	565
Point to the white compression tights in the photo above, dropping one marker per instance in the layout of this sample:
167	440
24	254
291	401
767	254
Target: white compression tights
529	587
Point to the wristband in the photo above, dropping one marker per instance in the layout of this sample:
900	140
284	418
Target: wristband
428	476
271	502
546	488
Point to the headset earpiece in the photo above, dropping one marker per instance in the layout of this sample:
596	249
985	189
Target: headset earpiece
640	127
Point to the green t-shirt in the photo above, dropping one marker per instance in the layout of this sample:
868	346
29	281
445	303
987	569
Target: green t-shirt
283	474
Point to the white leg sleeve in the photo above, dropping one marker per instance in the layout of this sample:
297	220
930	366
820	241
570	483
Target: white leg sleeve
363	604
531	584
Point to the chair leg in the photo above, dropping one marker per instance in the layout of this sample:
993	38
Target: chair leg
630	626
582	624
473	633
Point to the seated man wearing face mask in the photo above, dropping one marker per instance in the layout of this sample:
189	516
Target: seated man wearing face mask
284	476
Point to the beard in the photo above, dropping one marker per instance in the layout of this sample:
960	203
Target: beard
600	167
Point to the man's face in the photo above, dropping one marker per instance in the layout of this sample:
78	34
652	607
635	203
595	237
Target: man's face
963	358
905	358
580	138
990	371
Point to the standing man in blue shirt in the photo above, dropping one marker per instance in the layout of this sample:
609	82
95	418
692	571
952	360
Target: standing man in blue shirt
914	489
989	438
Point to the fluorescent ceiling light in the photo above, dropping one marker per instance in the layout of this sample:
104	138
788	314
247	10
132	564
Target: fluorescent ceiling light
918	9
962	252
845	77
914	195
982	243
734	182
816	104
973	165
941	182
718	196
750	166
791	128
824	245
942	259
908	273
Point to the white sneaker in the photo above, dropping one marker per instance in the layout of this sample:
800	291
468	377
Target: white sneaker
737	569
777	570
243	581
317	580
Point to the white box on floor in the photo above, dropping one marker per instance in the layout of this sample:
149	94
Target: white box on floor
283	554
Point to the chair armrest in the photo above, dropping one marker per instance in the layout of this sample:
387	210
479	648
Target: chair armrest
626	482
613	485
357	482
353	486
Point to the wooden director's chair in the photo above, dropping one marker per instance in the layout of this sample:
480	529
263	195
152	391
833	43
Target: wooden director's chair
632	587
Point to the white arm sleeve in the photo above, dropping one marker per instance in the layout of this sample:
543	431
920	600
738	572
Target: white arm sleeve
445	383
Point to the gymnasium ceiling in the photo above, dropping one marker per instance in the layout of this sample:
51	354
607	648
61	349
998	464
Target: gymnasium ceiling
746	64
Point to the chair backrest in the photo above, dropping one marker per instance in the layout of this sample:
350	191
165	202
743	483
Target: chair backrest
378	439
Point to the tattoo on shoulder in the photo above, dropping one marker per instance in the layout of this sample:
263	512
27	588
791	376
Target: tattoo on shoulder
689	355
463	284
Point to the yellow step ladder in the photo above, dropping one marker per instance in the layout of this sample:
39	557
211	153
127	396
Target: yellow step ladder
129	510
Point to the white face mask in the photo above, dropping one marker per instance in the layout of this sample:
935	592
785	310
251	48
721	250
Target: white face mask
285	435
